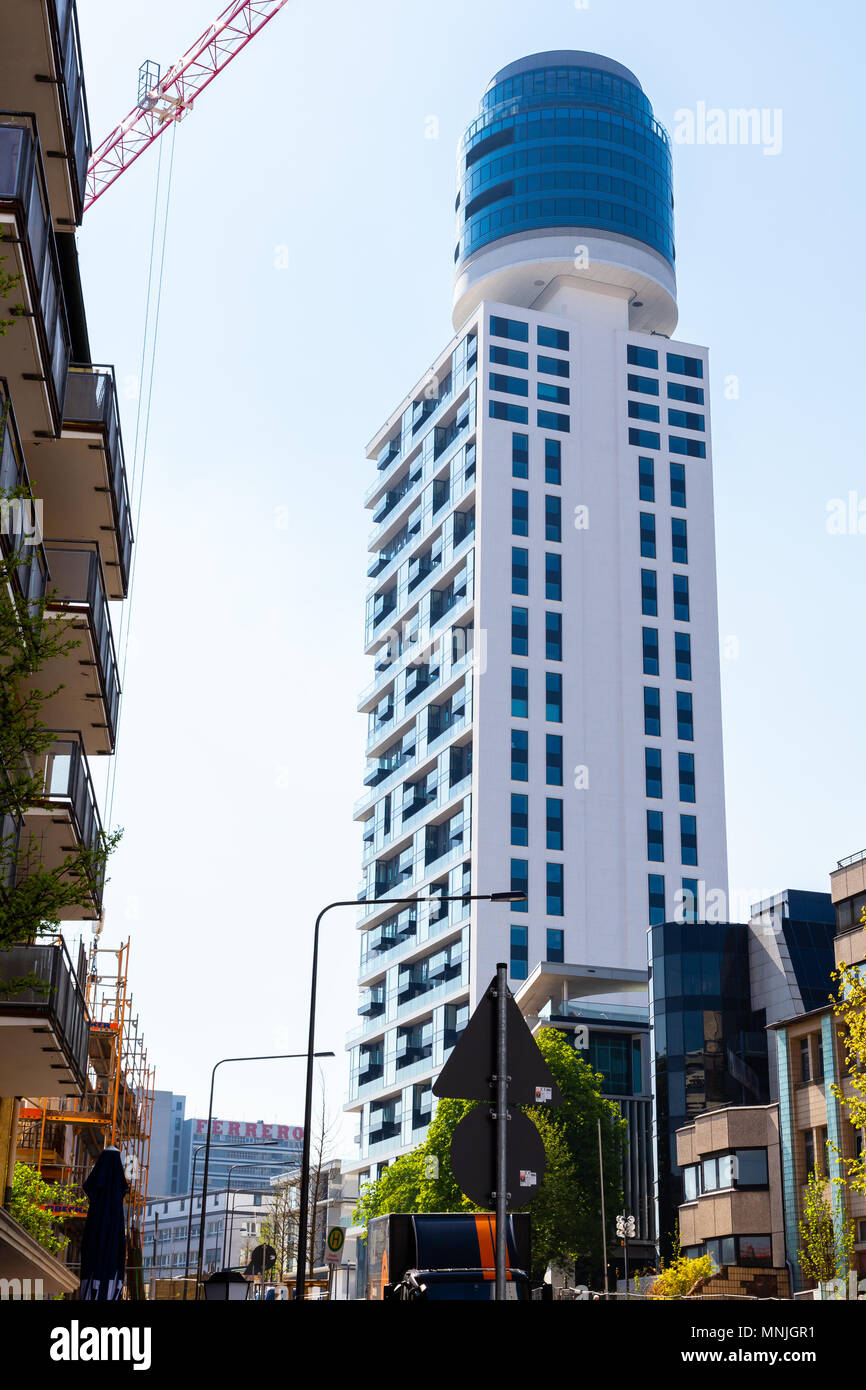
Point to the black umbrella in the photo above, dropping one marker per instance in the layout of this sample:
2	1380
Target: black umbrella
103	1246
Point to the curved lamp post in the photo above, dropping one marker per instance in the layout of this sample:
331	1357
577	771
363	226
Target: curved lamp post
252	1163
262	1057
303	1214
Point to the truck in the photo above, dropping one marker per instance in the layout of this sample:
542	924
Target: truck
444	1255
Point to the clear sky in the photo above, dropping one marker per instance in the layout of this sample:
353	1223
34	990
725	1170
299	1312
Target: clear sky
307	286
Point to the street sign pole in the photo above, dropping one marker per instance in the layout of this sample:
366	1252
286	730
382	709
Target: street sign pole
603	1224
501	1125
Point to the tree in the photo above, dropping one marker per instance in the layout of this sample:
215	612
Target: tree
565	1212
825	1252
280	1227
849	1007
680	1276
33	898
31	1194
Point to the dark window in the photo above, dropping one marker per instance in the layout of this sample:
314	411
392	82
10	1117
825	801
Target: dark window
646	385
647	535
642	410
553	758
504	410
690	900
520	455
642	357
653	772
519	692
520	883
687	776
509	357
519	966
553	576
519	570
519	819
650	651
655	836
646	480
509	328
685	366
549	391
679	541
685	419
553	366
519	512
644	439
553	461
553	636
692	448
656	896
678	485
681	598
552	518
551	420
519	755
685	716
683	655
510	385
555	890
649	596
806	1072
555	944
520	631
678	391
553	338
688	839
652	720
554	823
553	693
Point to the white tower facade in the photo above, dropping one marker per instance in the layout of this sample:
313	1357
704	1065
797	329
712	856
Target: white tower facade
545	714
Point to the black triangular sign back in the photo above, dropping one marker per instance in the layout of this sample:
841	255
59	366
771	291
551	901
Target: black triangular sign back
467	1073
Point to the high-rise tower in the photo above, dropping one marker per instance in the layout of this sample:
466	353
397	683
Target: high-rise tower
545	709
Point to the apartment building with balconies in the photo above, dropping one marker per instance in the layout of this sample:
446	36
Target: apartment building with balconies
67	557
545	711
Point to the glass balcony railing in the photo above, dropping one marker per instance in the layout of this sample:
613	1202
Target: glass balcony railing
58	998
19	529
23	192
91	400
68	786
78	586
74	100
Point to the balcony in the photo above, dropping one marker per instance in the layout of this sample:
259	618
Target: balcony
34	354
372	1003
44	1028
90	696
19	530
41	71
66	819
82	475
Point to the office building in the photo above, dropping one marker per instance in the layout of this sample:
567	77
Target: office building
544	711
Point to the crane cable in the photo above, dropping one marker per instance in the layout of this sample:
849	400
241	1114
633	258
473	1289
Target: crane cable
139	456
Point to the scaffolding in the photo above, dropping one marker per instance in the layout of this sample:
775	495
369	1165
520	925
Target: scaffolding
62	1138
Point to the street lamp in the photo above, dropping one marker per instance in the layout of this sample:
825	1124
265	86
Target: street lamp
303	1213
266	1144
263	1057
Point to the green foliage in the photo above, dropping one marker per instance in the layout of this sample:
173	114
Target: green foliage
30	1193
849	1007
565	1212
826	1251
8	283
29	639
680	1276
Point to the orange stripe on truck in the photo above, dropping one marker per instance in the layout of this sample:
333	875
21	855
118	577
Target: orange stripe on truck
485	1229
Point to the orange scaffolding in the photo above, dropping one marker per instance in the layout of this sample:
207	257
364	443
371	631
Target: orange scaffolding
64	1137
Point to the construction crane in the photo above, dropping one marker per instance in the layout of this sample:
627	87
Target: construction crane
164	100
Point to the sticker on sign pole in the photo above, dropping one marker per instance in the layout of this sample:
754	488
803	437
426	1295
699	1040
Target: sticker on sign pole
543	1093
528	1178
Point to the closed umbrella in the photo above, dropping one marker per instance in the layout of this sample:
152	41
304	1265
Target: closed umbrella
103	1246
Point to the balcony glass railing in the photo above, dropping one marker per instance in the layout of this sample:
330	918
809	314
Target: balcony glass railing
22	184
74	99
91	399
78	586
19	529
67	784
58	997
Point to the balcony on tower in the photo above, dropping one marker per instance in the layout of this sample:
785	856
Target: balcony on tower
44	1028
63	820
85	680
34	352
82	475
41	72
20	533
